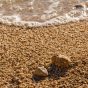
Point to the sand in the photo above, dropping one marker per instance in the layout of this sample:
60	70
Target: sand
22	50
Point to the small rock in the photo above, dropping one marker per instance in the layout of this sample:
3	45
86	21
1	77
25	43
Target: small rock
41	71
79	6
61	61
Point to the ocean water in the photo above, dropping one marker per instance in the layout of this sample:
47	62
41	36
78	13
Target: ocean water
32	13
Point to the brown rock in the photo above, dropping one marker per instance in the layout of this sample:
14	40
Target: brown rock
41	71
61	61
79	6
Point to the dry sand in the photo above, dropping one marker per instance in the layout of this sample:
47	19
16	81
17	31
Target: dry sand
22	50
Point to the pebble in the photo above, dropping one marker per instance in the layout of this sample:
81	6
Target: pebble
41	71
61	61
79	6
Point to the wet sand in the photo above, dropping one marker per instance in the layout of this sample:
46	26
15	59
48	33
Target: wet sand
22	50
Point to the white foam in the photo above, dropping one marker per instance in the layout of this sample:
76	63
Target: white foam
58	20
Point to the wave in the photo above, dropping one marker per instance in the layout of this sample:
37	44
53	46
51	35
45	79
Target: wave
34	13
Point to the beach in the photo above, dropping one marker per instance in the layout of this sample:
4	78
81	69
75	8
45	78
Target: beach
24	49
32	32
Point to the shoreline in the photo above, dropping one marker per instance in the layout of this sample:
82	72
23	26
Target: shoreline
44	26
55	21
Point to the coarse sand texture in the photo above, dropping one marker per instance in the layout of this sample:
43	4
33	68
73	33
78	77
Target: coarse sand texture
23	50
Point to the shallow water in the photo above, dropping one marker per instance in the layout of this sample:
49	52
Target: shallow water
39	12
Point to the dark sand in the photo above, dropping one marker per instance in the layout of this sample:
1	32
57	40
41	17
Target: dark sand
22	50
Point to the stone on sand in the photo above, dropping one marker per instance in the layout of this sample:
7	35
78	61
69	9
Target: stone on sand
61	61
79	6
41	71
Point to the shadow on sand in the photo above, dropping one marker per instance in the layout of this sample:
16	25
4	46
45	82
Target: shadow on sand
53	73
